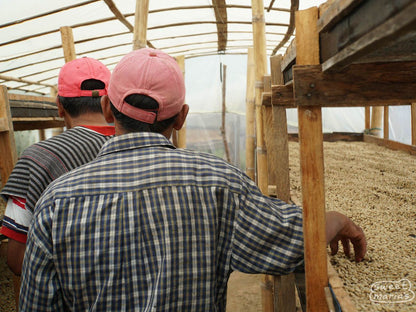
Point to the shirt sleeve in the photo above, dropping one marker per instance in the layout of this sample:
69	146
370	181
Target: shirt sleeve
40	290
16	219
268	235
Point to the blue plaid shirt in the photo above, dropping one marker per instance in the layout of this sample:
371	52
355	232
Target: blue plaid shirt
147	227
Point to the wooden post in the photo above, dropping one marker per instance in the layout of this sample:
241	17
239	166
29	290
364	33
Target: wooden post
413	120
386	122
181	134
140	24
376	120
284	285
7	144
270	136
367	118
312	170
8	158
250	125
224	112
68	43
260	57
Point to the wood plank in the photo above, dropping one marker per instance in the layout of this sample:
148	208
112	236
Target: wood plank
140	24
32	98
312	170
7	144
282	95
358	35
413	121
4	124
21	124
250	115
68	43
335	12
411	149
339	292
376	84
284	286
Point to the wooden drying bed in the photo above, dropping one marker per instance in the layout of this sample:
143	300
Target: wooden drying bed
350	53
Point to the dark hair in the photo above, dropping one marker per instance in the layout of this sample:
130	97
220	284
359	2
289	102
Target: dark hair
76	106
147	103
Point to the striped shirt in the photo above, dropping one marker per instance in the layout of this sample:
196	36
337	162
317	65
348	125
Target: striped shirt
147	227
39	165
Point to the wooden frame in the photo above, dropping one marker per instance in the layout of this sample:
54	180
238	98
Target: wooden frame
368	69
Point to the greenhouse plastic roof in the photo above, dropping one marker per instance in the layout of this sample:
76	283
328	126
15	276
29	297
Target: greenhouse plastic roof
31	52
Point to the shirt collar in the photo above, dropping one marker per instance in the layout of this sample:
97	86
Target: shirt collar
134	140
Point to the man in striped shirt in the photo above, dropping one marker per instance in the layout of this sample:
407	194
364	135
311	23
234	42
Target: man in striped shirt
148	227
81	83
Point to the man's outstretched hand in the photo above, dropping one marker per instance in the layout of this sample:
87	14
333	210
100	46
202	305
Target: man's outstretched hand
340	228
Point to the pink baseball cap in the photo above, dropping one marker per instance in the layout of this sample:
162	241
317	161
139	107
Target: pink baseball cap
152	73
75	72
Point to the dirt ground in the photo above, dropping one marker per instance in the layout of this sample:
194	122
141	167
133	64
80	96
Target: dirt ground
376	188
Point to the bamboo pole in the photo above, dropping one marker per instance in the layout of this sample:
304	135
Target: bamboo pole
181	134
386	122
367	118
376	120
260	56
250	122
224	111
312	170
413	120
140	24
68	43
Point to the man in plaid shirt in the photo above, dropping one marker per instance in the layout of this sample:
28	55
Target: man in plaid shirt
148	227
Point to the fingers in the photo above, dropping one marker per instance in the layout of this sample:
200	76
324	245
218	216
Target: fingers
334	247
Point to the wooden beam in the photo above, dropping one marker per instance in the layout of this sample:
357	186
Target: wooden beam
312	169
413	120
387	26
278	155
140	24
376	84
7	143
282	95
386	122
335	12
294	6
68	43
250	116
20	124
220	11
394	145
260	56
182	132
8	78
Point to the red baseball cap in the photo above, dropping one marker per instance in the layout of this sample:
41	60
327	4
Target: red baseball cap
152	73
75	72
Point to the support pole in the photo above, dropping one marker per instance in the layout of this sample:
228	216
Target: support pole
68	43
284	285
376	120
181	134
140	24
367	114
8	158
386	122
250	122
312	170
260	57
224	112
413	120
